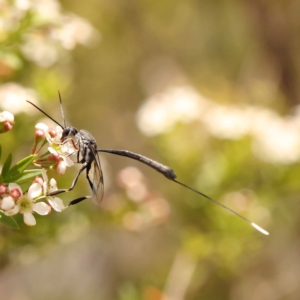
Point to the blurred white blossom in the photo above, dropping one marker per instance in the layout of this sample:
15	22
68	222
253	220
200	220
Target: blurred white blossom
40	49
10	16
13	98
276	138
228	122
75	30
46	10
51	32
278	141
23	4
162	111
45	48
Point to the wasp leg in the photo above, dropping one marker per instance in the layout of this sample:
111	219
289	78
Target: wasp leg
85	165
77	200
89	180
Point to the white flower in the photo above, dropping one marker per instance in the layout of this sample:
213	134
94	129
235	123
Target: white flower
56	203
63	150
11	194
26	205
60	151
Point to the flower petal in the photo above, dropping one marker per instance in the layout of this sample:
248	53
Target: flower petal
7	203
52	151
56	203
41	208
44	174
12	212
57	138
42	126
34	191
29	219
68	161
7	116
52	185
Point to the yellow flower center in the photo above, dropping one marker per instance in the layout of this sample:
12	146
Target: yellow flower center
25	204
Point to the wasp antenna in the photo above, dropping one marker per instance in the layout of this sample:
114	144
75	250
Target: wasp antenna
45	114
62	110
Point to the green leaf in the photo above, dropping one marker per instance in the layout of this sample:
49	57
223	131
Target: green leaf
23	177
19	167
8	221
6	165
0	151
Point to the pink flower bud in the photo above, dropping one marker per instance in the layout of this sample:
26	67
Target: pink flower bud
52	132
3	189
41	126
53	157
39	134
61	168
15	193
7	125
38	180
6	121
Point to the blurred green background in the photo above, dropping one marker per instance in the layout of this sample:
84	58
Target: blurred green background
209	88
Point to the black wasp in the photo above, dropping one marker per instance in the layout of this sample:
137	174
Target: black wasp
87	155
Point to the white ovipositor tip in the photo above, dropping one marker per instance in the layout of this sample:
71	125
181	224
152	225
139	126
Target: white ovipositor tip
260	229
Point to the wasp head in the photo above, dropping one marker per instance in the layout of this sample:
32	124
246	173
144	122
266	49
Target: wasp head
68	132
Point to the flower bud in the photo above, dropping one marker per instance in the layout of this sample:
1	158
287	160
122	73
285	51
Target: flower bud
38	180
15	193
42	126
52	132
6	121
54	157
61	167
3	189
39	134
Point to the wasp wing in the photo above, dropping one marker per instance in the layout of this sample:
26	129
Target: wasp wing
91	157
97	178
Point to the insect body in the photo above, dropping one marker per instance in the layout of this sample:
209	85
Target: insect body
87	155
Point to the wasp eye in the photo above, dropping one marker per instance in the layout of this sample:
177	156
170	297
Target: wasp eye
65	133
68	131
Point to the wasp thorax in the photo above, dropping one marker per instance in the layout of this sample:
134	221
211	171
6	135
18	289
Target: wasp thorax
68	132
